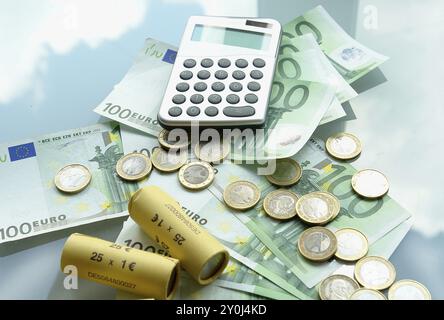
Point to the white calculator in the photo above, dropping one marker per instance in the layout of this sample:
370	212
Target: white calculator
223	73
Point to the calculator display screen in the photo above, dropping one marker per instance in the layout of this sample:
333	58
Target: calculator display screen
231	37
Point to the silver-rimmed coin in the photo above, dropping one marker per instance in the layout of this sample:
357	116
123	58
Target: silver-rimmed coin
174	139
196	175
337	287
72	178
317	207
344	146
288	172
370	183
352	244
168	161
241	195
133	166
367	294
408	290
317	244
375	273
281	204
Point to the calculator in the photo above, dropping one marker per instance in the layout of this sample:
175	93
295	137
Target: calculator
223	73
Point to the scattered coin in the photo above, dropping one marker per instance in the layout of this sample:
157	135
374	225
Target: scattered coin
367	294
408	290
213	151
241	195
337	287
344	146
287	173
196	175
352	244
180	141
72	178
281	204
133	166
317	207
375	273
317	244
168	161
370	183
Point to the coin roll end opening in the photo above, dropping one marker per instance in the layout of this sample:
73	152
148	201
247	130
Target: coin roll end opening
173	282
213	267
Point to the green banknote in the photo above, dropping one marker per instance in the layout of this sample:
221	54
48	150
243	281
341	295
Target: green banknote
352	59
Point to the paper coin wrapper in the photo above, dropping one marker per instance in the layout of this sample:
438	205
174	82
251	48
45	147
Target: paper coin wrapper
162	218
136	271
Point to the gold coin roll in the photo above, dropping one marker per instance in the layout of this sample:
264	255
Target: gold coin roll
162	218
136	271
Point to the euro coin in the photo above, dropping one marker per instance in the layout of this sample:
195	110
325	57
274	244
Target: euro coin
196	175
72	178
213	151
280	204
318	207
375	273
168	161
352	244
408	290
337	287
370	183
175	139
367	294
133	166
317	244
241	195
288	172
343	146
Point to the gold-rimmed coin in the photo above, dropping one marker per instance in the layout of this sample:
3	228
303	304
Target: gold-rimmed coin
72	178
317	244
408	290
213	151
281	204
174	139
370	183
196	175
374	272
343	146
288	172
168	161
337	287
317	207
352	244
133	166
241	195
367	294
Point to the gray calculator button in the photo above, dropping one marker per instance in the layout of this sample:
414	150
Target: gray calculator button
175	111
189	63
224	63
258	63
218	86
238	75
206	63
214	98
256	74
203	74
197	98
193	111
179	99
221	74
253	86
238	112
186	75
251	98
235	86
211	111
232	99
241	63
182	86
200	86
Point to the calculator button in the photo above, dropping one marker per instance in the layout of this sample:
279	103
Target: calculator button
175	111
235	86
214	98
238	75
206	63
221	74
253	86
218	86
211	111
179	99
182	86
193	111
233	98
200	86
244	111
186	75
256	74
241	63
258	63
251	98
203	74
197	98
189	63
224	63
